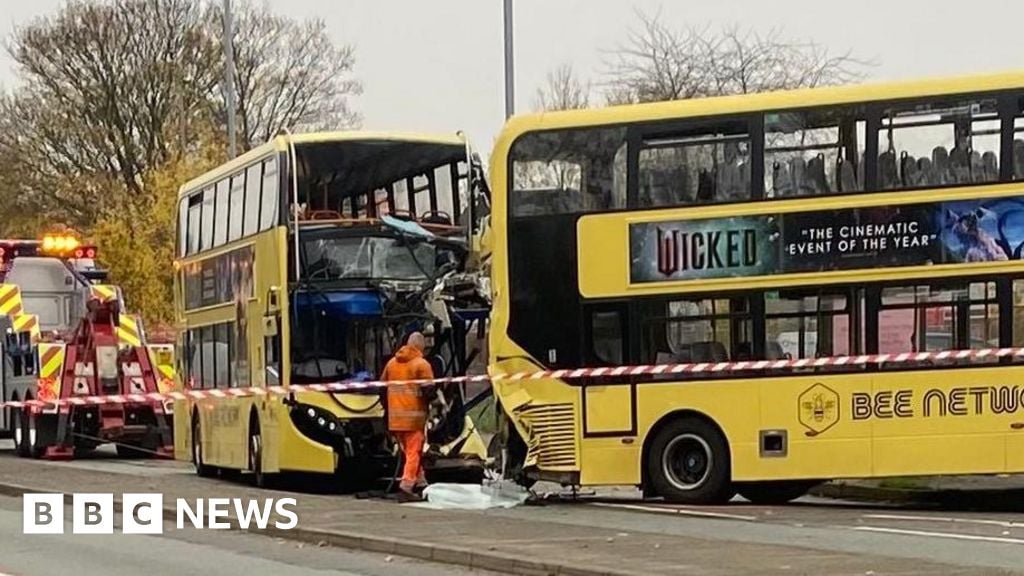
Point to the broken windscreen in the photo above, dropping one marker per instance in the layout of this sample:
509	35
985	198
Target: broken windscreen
369	258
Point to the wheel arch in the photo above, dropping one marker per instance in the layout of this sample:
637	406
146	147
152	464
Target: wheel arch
664	421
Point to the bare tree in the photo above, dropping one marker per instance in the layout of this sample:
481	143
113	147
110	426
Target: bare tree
110	89
101	83
658	62
288	74
563	90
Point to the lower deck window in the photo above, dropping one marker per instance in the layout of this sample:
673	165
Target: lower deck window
886	318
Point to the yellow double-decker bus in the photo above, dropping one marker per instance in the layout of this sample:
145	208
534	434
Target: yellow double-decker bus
307	261
813	223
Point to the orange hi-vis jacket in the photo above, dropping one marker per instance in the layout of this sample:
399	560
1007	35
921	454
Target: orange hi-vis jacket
407	406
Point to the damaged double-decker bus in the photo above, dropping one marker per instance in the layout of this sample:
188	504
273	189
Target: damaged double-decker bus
308	260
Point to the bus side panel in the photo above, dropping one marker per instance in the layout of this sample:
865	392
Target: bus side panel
616	460
225	424
813	413
948	425
1015	449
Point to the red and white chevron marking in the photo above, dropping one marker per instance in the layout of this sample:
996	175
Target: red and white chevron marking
561	374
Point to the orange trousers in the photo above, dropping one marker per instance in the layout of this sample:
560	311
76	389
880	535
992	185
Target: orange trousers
412	449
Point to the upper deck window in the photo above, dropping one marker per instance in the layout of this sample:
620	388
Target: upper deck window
813	153
702	167
939	143
568	171
1018	141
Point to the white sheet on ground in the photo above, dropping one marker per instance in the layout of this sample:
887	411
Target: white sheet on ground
472	496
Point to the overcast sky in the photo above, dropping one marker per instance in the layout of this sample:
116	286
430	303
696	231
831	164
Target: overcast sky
437	65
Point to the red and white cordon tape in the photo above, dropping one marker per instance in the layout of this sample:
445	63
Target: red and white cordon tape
562	374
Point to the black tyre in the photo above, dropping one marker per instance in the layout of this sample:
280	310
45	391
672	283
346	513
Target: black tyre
21	446
259	479
688	463
202	469
38	429
780	492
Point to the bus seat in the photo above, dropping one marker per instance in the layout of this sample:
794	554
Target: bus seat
709	351
846	179
1018	158
436	217
887	176
705	186
816	181
940	166
925	170
773	351
782	184
909	172
798	172
960	165
990	166
730	184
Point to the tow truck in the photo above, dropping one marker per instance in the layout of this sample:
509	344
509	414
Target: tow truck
67	335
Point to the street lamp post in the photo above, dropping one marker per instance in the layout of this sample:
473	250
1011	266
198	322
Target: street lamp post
229	77
510	91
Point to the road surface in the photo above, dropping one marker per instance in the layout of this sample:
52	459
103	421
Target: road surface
212	553
614	532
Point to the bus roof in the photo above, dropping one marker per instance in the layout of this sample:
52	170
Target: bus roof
281	143
744	103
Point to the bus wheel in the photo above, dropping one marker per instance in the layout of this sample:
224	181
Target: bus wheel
769	493
202	470
259	479
689	463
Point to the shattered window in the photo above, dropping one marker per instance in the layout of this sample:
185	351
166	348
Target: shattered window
373	258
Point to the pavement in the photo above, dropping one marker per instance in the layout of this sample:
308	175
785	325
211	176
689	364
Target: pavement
612	533
1003	492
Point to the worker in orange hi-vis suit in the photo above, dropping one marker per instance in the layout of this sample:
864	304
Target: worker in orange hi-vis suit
407	409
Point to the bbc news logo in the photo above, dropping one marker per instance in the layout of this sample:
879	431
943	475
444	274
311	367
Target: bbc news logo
144	513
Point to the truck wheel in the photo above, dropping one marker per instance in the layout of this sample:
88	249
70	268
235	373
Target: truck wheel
771	493
202	470
36	448
21	446
688	463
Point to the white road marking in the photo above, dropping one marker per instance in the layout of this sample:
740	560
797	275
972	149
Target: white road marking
676	511
997	539
946	519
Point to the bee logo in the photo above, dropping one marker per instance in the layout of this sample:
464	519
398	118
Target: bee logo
818	408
